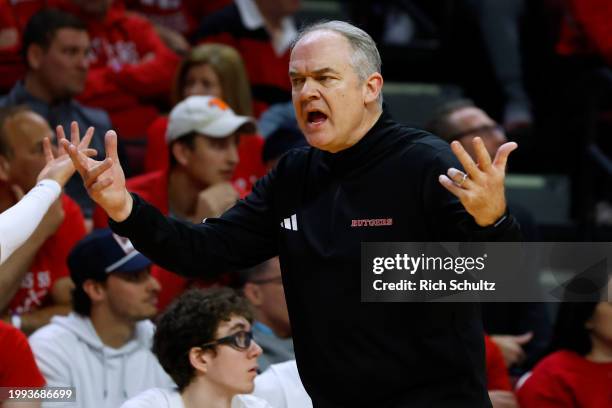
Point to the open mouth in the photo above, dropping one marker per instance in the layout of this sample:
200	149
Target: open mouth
316	117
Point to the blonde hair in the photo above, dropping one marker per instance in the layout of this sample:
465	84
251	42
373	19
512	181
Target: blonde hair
227	64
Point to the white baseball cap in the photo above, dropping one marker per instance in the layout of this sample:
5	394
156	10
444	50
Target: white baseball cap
206	115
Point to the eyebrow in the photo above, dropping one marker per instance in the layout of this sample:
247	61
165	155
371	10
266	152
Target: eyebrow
321	71
237	326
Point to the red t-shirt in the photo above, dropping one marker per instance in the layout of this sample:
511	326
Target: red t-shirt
17	365
566	379
14	16
153	187
587	29
179	15
249	169
49	264
497	373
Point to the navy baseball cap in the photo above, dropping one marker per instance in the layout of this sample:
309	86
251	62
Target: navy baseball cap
103	252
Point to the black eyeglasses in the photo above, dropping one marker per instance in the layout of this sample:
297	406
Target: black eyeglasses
240	340
486	130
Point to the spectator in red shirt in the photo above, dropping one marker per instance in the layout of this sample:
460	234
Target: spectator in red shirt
203	135
586	29
130	69
55	47
262	32
216	70
36	283
17	365
176	20
578	372
498	380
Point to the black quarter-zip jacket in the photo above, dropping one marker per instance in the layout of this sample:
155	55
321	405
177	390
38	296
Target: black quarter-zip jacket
349	353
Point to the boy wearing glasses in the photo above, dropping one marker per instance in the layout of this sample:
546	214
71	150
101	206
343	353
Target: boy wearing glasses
204	342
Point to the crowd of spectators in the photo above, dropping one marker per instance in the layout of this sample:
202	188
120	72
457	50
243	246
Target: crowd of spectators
198	93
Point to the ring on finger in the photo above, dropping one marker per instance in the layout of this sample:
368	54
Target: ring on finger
463	178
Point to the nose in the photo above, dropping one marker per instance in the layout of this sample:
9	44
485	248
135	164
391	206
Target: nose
154	284
255	350
232	154
309	90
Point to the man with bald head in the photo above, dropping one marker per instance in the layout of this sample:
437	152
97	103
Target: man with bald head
34	280
310	210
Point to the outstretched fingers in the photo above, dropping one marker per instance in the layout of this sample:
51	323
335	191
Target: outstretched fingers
466	161
78	158
451	186
501	157
87	138
110	142
93	173
47	150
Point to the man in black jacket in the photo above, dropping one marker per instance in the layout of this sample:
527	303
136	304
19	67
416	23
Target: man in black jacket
310	210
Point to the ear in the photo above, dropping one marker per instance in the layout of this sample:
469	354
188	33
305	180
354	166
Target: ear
253	294
5	169
200	359
95	290
34	56
373	87
181	153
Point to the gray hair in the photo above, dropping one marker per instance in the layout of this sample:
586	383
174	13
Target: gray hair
365	59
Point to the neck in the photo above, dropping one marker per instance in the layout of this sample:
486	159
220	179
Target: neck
113	331
367	123
37	89
182	193
601	352
200	393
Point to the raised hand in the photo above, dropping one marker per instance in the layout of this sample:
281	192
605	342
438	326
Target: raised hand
60	168
104	180
481	188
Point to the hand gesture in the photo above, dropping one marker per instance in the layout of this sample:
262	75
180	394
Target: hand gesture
104	180
512	347
213	201
60	168
481	189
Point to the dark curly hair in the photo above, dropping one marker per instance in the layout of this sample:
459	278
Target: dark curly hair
191	321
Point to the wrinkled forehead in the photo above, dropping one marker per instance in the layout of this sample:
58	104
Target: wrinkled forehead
321	49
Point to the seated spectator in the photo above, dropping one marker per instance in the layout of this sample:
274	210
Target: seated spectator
53	77
36	284
204	342
103	347
578	372
17	224
130	67
203	135
262	285
262	32
211	70
521	330
280	385
175	21
17	366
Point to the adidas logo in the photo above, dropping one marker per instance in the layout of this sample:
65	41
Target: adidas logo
290	223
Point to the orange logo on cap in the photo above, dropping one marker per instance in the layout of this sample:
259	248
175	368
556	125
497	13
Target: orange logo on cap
218	103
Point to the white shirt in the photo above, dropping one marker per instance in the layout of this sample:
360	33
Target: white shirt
282	387
252	19
164	398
